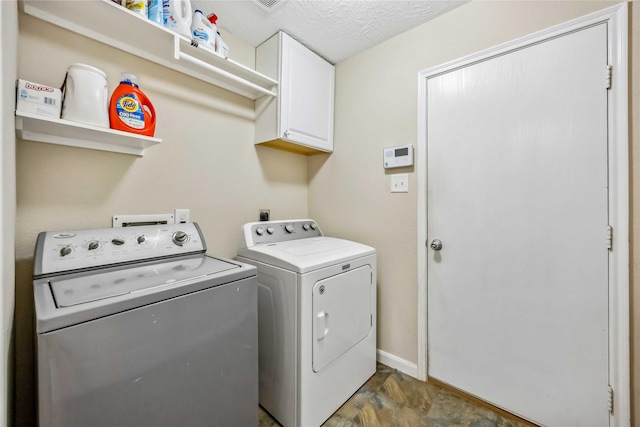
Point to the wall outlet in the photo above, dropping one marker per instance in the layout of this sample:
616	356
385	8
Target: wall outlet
264	214
182	216
400	183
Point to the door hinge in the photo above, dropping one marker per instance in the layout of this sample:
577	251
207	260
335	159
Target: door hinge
610	399
608	75
609	237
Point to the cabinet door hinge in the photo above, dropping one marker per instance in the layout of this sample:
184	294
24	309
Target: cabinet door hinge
609	237
608	75
610	399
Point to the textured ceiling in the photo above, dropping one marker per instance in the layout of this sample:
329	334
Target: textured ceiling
335	29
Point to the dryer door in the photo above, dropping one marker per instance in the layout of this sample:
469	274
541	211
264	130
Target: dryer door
341	314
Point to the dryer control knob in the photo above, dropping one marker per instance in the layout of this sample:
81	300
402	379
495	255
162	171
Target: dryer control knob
289	228
180	238
117	241
141	239
93	245
313	226
306	227
259	231
270	230
64	251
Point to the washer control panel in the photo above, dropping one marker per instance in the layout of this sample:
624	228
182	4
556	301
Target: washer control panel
266	232
82	249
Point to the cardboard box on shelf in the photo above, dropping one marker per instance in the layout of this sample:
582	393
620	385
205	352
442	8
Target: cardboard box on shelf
38	99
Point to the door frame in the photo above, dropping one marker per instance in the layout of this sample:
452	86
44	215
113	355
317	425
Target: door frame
618	175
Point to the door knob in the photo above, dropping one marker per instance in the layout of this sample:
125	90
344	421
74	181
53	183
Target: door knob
436	244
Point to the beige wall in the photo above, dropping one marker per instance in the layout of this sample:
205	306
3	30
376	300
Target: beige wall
376	107
8	38
207	162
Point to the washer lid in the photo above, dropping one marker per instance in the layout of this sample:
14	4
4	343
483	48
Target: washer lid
306	255
68	292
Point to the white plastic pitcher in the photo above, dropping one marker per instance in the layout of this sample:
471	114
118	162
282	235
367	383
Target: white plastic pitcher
85	96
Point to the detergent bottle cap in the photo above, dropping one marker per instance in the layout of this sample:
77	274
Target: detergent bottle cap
129	78
212	17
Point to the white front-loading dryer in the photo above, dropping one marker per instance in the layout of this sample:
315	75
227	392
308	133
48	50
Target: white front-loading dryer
316	318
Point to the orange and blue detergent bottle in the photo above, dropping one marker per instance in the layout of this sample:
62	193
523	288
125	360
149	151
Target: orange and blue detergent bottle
130	110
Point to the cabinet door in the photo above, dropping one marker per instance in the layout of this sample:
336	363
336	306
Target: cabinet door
306	96
342	314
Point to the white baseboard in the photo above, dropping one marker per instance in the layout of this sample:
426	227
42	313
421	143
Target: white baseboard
398	363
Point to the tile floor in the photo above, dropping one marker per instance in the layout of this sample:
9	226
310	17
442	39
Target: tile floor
391	398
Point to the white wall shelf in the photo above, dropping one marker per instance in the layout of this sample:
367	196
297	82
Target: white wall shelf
33	127
112	24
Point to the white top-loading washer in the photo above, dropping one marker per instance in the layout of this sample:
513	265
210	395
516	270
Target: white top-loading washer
138	326
316	318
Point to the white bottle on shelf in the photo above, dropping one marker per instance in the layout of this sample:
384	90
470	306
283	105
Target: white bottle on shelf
221	47
203	31
177	16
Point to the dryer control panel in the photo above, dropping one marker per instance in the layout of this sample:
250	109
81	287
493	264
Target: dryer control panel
266	232
84	249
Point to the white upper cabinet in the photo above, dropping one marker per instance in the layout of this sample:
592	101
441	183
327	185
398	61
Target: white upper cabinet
300	118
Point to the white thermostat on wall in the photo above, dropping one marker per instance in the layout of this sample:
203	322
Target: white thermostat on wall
398	157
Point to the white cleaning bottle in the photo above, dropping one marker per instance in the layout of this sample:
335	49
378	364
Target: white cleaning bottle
202	31
220	46
177	16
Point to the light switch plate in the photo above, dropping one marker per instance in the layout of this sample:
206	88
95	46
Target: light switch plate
400	183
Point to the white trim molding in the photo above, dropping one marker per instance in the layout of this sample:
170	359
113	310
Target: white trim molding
398	363
619	308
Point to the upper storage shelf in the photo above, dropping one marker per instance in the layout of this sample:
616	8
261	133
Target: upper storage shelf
109	23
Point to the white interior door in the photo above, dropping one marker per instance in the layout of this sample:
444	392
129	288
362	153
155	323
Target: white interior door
517	193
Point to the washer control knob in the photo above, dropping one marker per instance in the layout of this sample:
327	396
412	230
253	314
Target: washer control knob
313	226
289	228
180	238
305	227
93	245
259	231
117	241
270	230
141	239
65	250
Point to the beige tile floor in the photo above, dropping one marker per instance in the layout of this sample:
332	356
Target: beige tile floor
391	398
